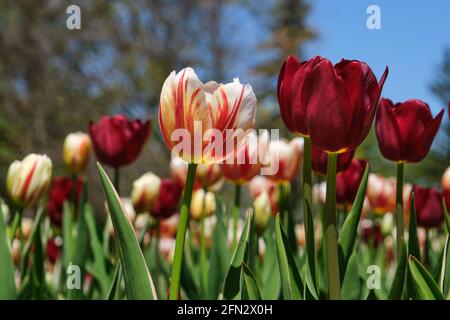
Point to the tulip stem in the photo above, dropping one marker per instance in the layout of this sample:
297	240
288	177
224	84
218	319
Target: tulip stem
399	207
237	204
203	255
307	208
334	285
181	233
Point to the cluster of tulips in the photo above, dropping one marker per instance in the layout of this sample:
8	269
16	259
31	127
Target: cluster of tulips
176	237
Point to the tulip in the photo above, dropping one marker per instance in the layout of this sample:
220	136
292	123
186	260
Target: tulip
446	179
203	204
371	232
208	176
320	159
387	224
53	249
168	198
27	180
145	192
259	185
427	202
286	157
76	151
405	132
347	183
381	193
202	114
61	190
262	212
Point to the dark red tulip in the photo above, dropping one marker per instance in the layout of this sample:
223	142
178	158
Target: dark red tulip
167	202
347	182
53	249
289	92
371	232
118	140
405	131
341	103
320	160
427	202
61	190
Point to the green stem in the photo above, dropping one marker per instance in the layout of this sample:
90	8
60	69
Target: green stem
399	207
307	208
181	233
203	255
334	285
237	204
117	180
15	224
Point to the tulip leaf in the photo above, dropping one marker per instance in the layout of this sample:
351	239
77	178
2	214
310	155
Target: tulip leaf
231	285
138	282
424	284
349	230
291	282
113	291
444	279
351	285
67	232
250	290
446	217
270	274
413	240
29	243
188	276
311	276
7	279
396	291
98	269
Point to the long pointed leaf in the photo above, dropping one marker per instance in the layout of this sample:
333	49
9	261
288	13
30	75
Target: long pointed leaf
250	287
399	279
138	282
444	279
7	282
413	240
424	284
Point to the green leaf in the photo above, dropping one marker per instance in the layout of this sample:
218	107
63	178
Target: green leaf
98	268
250	288
138	282
231	285
7	279
68	238
291	282
29	242
311	276
413	240
115	283
446	217
444	279
349	230
351	285
424	284
399	279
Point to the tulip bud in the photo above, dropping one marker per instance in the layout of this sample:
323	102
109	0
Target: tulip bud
15	251
300	234
145	192
387	224
76	151
446	180
202	204
262	212
28	179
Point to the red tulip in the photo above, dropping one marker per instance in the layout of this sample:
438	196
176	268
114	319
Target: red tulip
167	202
427	202
405	131
61	190
371	232
53	249
291	80
320	159
347	183
118	140
340	103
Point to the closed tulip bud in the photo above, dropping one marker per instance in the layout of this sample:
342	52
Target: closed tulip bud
381	193
27	226
262	212
76	151
202	204
446	179
145	192
405	131
387	224
27	180
427	202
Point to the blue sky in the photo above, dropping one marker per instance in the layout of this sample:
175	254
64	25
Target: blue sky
411	41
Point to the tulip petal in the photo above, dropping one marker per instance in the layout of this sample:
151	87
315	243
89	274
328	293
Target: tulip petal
388	132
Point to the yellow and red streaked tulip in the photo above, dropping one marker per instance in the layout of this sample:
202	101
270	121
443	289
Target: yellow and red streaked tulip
427	202
445	181
76	151
203	203
340	103
286	157
405	131
319	161
247	161
259	185
118	140
202	110
347	182
381	193
145	192
263	212
27	180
